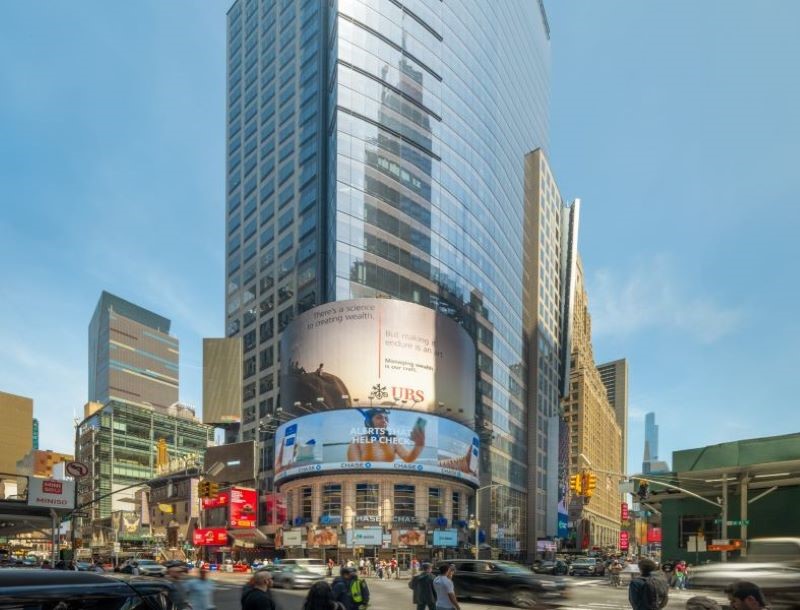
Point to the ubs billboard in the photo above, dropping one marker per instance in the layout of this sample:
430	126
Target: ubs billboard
379	352
376	439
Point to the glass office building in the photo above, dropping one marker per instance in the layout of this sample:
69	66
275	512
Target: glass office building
377	148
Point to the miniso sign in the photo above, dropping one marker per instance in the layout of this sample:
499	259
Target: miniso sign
51	493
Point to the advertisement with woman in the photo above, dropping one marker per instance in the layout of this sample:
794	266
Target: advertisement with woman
376	438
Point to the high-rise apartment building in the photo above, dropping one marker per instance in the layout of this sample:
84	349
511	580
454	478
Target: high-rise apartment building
614	376
595	436
378	149
16	413
132	356
651	463
35	439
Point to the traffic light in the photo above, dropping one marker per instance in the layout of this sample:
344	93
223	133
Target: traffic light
203	489
576	483
589	484
213	489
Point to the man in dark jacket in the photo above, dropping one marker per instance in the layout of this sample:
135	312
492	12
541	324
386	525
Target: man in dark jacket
422	586
256	594
648	591
350	590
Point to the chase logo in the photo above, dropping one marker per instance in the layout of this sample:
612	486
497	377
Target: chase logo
419	467
318	467
368	465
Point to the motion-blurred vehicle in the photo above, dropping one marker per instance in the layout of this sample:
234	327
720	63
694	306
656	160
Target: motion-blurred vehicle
771	563
558	567
585	566
143	567
32	588
291	576
312	565
505	581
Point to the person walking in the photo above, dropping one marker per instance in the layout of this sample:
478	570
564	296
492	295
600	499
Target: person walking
445	591
422	586
649	590
350	590
256	595
320	597
680	575
745	595
615	569
200	591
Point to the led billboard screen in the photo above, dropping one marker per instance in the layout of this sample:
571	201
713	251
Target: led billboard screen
243	507
376	439
210	536
380	352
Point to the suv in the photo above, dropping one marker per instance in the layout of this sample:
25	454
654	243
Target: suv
584	566
505	581
143	567
69	590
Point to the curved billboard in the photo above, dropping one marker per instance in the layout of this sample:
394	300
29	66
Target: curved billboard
376	439
380	352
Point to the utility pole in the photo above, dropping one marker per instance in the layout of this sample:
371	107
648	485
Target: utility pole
724	503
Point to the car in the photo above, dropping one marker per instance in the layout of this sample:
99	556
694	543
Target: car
291	576
32	588
308	563
143	567
505	581
584	566
556	568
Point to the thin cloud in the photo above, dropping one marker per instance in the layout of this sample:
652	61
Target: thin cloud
653	296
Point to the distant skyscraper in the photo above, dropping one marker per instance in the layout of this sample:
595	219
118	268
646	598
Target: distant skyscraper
614	376
132	356
651	463
35	434
378	149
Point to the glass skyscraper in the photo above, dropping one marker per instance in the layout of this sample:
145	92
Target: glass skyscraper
377	148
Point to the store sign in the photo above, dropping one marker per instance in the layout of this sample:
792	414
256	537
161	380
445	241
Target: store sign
403	538
624	513
51	493
368	536
402	441
445	537
654	535
221	499
322	537
210	536
275	509
623	541
243	508
292	538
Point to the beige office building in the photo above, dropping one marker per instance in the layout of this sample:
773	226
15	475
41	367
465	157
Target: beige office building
614	376
16	433
594	434
222	381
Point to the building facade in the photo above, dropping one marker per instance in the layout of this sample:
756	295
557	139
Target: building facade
120	443
378	150
35	444
614	376
132	356
40	463
595	437
16	413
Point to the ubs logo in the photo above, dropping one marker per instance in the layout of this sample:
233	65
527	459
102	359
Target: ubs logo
378	392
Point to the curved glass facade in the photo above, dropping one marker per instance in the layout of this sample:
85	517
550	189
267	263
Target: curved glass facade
377	148
436	105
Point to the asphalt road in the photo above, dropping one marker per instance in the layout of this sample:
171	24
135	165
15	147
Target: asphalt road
585	594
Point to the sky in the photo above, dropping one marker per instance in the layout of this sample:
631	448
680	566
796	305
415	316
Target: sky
674	123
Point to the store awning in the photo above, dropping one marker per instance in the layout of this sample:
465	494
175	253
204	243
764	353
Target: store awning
251	535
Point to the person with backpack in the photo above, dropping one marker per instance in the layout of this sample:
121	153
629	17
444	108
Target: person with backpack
649	590
320	597
350	590
422	586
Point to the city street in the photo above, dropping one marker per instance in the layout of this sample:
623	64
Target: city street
586	594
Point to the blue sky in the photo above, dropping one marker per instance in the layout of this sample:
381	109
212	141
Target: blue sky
675	123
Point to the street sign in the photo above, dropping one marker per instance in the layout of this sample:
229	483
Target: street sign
116	548
80	515
77	469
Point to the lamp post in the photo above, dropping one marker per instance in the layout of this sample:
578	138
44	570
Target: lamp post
477	515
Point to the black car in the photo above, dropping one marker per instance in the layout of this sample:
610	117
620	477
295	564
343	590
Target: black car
505	581
559	567
71	590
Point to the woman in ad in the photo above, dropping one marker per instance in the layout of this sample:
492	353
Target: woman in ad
378	444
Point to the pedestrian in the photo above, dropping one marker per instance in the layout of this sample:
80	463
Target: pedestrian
200	591
320	597
422	586
445	591
255	595
745	595
176	572
649	590
699	602
350	590
394	568
680	575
